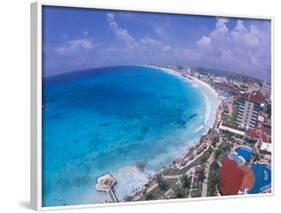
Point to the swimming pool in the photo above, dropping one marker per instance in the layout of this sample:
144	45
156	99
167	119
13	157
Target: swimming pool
237	158
262	174
241	154
245	152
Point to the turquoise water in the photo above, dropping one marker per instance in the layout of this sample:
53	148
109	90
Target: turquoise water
129	121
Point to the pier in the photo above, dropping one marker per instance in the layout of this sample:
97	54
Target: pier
113	196
105	184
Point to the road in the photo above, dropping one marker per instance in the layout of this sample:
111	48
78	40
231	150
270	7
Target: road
205	182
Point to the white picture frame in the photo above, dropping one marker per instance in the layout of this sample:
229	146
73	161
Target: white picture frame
36	103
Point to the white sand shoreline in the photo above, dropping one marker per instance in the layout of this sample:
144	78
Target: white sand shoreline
173	72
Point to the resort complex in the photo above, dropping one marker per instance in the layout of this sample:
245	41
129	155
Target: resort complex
234	157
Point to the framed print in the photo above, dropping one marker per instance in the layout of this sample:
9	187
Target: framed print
132	106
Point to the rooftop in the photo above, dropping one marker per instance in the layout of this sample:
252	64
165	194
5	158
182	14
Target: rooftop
252	134
255	96
105	183
249	178
231	177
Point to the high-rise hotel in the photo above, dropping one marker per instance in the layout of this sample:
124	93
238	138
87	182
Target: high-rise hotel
249	106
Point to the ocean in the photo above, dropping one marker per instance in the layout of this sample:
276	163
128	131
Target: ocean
128	121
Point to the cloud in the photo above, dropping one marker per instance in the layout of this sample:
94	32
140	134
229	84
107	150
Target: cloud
246	36
245	49
204	41
75	46
221	26
148	42
121	33
144	47
242	48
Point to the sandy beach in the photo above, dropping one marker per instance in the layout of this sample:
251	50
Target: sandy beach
198	81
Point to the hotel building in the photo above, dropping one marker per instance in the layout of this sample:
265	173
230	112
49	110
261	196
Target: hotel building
249	106
266	90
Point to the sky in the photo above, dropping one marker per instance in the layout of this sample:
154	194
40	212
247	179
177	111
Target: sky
77	39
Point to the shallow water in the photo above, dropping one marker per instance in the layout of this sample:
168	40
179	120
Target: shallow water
129	121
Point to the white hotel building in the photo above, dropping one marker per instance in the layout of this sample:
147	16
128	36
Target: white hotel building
249	106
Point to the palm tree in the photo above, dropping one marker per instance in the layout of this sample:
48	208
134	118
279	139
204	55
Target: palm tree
185	181
201	175
150	196
162	183
180	193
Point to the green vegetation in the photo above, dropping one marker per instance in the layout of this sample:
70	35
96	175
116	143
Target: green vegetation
185	181
185	188
153	195
181	191
180	194
201	160
229	119
218	153
221	150
213	179
201	175
163	185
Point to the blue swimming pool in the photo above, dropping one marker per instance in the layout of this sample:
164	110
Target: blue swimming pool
237	158
262	174
245	152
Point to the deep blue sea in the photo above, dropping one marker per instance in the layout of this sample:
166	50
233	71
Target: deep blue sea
128	121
